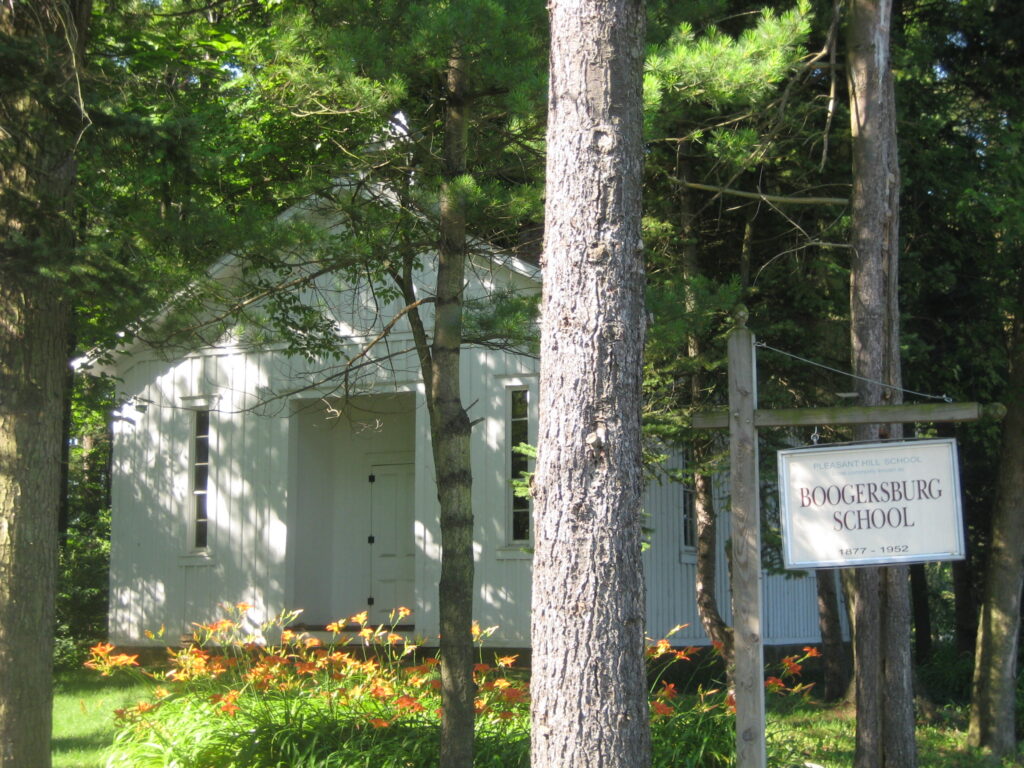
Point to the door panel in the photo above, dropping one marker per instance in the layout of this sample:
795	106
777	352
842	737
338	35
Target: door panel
392	560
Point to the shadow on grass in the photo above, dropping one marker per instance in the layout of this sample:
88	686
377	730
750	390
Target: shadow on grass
81	743
85	681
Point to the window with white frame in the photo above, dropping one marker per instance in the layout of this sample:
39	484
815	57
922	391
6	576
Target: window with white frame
689	515
200	481
517	432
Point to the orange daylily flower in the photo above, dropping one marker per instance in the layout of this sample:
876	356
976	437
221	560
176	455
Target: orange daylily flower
379	722
227	701
507	661
513	695
408	702
662	647
382	691
661	708
774	684
217	626
792	668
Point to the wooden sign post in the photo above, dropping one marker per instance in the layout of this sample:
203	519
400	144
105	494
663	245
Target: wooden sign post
743	420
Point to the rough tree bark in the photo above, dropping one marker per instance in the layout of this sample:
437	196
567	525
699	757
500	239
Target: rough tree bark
450	427
837	664
41	119
450	431
881	599
588	684
993	691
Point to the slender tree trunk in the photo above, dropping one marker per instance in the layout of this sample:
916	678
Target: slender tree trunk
40	122
711	619
993	691
450	432
837	663
589	685
885	701
965	606
922	613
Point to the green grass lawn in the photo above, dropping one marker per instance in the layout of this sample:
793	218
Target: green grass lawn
824	735
83	719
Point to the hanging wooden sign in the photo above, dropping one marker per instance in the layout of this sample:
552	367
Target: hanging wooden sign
870	504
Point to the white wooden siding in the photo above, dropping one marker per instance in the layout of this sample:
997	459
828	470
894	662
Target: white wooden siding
264	456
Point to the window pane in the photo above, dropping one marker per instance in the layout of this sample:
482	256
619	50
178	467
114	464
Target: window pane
202	449
201	475
689	518
200	542
200	478
521	524
520	432
520	464
520	403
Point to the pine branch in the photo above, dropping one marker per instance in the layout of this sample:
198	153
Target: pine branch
776	199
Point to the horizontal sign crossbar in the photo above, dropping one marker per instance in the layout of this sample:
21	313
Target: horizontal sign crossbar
879	414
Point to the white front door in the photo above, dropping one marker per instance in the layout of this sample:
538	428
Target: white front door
390	540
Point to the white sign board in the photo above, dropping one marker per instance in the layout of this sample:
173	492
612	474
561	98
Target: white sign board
880	503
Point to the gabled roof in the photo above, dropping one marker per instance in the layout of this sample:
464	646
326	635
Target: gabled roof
483	257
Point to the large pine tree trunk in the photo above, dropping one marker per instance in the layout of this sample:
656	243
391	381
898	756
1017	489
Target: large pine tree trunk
450	433
33	359
993	693
881	610
40	123
588	683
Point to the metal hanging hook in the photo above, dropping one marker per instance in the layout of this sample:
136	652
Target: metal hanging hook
815	437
